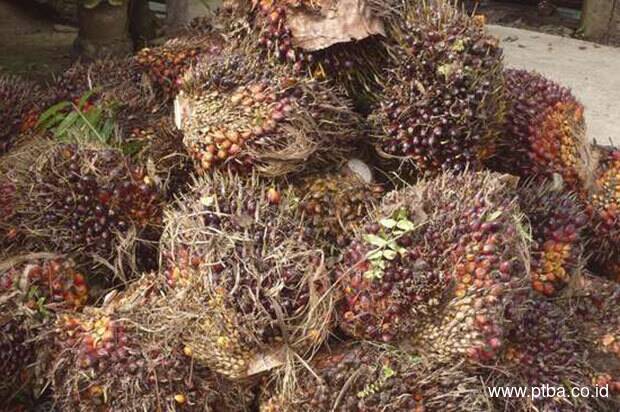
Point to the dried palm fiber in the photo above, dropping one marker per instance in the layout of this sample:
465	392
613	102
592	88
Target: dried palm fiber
435	264
544	131
126	356
337	40
252	287
32	286
20	104
595	306
366	377
544	349
333	204
246	115
83	199
557	221
442	102
163	66
602	202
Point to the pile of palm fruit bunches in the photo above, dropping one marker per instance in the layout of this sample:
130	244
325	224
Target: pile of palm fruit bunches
249	218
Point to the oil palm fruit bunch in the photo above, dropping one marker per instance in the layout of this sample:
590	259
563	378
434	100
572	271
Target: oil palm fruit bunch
544	131
442	104
31	287
252	285
595	306
298	33
85	200
332	204
165	65
602	203
609	268
543	348
21	102
365	377
120	357
435	264
557	222
246	115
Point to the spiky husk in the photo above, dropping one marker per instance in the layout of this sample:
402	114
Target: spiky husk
442	105
92	202
365	377
333	204
121	357
544	131
460	256
602	203
543	348
249	282
20	108
557	222
247	115
31	287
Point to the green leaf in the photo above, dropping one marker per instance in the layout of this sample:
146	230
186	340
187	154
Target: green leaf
389	254
131	148
93	116
90	4
375	254
84	99
106	130
406	225
388	372
388	223
52	111
402	251
66	123
375	240
459	45
116	2
393	245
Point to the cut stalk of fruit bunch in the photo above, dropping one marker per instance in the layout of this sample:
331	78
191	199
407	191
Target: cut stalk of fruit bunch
442	101
435	265
246	115
254	286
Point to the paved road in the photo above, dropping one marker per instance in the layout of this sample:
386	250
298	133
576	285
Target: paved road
590	70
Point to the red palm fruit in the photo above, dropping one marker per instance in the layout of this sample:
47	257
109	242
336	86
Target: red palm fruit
557	222
544	132
435	264
442	103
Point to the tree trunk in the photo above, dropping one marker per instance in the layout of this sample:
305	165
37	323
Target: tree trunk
601	20
177	13
103	31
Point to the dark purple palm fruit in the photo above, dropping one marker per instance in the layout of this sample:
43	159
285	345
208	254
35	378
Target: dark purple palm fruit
357	377
442	105
557	222
303	34
127	355
544	132
602	203
435	264
543	349
245	115
235	252
20	108
92	202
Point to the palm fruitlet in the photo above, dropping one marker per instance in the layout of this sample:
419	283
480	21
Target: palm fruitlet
557	223
435	265
362	377
120	357
19	110
249	282
333	204
442	104
246	115
544	131
85	200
